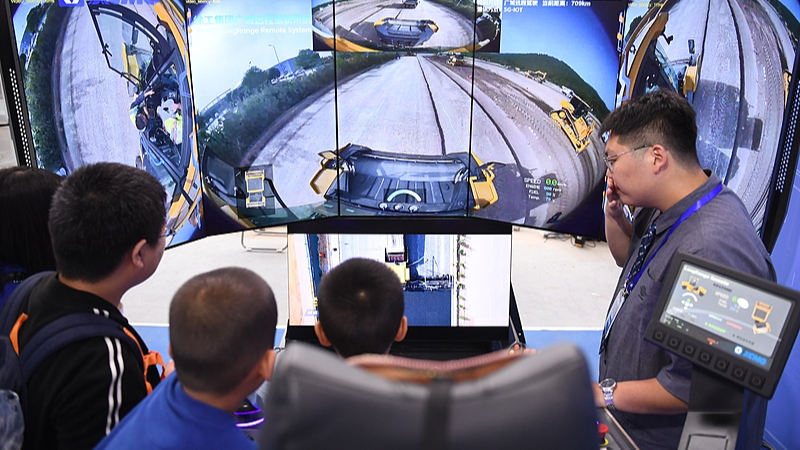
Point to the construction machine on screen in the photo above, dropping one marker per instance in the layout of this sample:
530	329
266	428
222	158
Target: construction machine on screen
537	75
576	121
405	32
645	64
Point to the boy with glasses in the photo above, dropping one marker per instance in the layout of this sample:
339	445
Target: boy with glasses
652	163
106	223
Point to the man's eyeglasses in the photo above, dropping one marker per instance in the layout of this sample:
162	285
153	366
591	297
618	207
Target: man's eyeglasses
609	160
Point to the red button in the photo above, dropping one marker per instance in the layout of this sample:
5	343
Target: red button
602	429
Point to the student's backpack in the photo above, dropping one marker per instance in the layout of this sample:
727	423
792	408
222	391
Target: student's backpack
17	366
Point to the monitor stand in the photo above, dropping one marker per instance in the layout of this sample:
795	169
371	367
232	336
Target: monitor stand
516	335
715	411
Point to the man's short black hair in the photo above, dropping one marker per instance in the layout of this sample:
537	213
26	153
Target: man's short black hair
99	213
660	117
221	323
25	197
361	306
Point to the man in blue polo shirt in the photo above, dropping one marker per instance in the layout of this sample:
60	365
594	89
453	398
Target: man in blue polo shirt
652	164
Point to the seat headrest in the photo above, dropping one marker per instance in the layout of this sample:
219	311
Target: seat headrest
425	370
318	400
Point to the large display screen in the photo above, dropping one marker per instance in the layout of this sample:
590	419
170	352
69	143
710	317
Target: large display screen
734	62
446	278
390	127
304	109
267	109
109	81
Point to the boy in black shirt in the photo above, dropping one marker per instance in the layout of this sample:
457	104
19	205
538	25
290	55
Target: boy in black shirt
107	224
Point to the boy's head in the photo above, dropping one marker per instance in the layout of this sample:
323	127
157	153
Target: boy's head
25	197
222	331
361	306
99	214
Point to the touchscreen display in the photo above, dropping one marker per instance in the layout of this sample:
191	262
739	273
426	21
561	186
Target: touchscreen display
738	319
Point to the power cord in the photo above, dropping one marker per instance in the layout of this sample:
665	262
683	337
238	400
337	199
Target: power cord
560	236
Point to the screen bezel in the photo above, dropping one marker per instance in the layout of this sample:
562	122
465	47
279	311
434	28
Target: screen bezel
416	225
659	334
15	92
785	164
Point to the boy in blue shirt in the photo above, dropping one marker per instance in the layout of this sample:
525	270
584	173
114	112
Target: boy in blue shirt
222	333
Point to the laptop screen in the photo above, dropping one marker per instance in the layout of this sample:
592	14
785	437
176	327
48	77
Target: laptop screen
455	279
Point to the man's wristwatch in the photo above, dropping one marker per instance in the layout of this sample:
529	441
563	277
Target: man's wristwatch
607	386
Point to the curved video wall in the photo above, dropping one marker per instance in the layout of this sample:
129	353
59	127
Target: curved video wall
255	113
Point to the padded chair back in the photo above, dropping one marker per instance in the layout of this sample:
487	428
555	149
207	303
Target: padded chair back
317	400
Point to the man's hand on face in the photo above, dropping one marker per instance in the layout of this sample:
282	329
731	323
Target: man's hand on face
614	205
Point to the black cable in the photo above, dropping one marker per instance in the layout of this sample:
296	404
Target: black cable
560	236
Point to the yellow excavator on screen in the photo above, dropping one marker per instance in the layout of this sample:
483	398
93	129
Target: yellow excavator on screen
576	121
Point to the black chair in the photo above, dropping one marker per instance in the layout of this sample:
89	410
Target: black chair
317	400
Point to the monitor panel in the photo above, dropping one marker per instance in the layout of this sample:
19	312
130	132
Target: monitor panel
733	324
785	164
453	279
266	112
735	64
109	82
538	106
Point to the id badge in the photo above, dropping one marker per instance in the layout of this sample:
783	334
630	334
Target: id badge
618	301
612	314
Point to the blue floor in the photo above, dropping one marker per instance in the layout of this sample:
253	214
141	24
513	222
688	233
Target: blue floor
157	338
587	340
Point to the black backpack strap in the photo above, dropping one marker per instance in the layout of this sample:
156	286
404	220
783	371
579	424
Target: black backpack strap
67	330
13	305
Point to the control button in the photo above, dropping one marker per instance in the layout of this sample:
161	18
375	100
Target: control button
602	430
757	381
704	357
659	335
674	342
721	365
738	373
689	349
